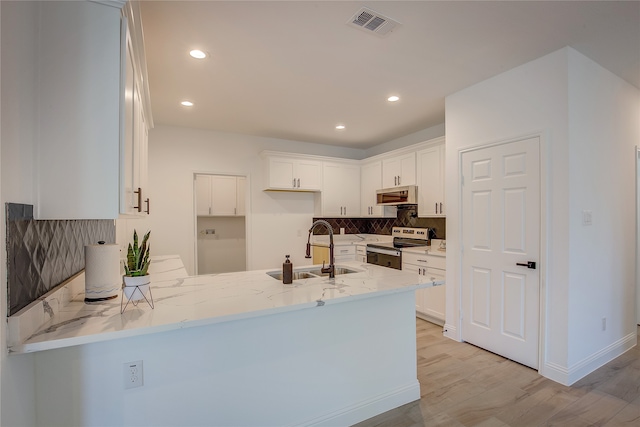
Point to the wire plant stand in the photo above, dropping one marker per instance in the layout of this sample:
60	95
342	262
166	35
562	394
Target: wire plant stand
130	299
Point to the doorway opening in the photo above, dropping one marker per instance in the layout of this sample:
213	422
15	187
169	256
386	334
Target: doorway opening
221	244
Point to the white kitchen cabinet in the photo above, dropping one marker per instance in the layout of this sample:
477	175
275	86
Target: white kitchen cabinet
431	181
241	194
293	173
399	170
83	162
430	302
219	195
370	183
340	194
134	188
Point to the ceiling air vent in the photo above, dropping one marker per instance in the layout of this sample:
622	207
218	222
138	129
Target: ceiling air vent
368	20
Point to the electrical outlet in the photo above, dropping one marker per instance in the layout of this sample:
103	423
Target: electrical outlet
133	374
587	217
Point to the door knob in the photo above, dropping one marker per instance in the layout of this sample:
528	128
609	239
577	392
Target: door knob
529	264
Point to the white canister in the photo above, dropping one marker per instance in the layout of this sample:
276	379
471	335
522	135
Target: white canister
102	279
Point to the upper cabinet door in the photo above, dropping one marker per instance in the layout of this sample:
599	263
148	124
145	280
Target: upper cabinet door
431	181
340	190
309	175
280	173
293	174
241	194
203	195
399	170
223	195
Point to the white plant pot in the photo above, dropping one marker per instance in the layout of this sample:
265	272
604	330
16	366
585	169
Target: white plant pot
136	288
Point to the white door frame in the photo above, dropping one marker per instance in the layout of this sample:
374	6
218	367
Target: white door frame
637	234
542	327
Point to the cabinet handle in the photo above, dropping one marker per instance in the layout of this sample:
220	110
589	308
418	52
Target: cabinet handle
235	211
345	210
298	182
139	193
398	179
440	207
436	207
148	206
209	210
294	183
422	260
395	180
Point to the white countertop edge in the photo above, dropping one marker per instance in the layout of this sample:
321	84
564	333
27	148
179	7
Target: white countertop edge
129	333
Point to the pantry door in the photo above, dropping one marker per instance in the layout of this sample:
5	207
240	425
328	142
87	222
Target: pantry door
501	249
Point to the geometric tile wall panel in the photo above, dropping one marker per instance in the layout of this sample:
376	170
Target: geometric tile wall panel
406	217
513	294
481	297
43	254
514	202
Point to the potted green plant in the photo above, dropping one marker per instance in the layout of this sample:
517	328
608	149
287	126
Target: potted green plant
136	268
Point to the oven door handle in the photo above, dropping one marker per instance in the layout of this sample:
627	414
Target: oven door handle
383	251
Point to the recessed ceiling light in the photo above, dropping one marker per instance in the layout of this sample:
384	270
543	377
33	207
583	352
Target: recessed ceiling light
187	103
198	54
340	127
393	98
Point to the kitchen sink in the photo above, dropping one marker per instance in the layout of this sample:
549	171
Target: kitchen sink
338	270
310	273
297	275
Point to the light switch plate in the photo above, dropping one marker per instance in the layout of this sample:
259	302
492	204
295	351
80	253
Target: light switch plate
587	217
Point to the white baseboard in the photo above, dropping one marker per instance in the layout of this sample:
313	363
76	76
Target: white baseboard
451	331
368	408
568	376
429	318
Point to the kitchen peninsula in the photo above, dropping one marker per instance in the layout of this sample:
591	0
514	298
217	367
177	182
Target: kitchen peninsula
233	349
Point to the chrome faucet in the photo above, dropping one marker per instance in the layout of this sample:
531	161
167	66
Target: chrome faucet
332	268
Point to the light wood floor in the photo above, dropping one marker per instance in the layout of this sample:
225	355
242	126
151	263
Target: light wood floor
463	385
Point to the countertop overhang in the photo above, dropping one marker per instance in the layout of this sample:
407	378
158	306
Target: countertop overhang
183	301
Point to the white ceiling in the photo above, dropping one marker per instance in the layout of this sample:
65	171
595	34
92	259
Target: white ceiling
294	69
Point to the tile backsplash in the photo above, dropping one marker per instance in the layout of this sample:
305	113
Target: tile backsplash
41	254
406	217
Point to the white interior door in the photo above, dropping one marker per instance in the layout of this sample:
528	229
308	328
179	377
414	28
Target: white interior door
638	236
500	236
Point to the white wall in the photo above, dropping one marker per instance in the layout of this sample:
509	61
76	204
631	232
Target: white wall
603	132
404	141
17	142
564	97
277	222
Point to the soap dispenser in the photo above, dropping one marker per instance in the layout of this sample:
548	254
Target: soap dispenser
287	271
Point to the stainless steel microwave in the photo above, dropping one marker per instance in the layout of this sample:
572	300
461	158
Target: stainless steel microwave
406	195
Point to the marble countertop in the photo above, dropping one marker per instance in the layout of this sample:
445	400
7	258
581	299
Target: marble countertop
183	301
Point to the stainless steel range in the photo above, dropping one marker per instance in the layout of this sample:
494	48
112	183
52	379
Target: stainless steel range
390	254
